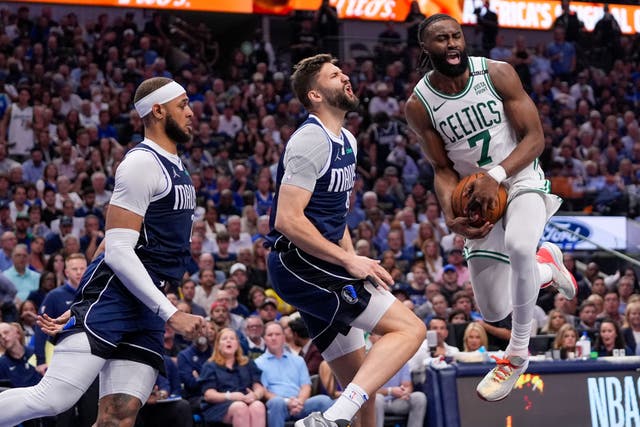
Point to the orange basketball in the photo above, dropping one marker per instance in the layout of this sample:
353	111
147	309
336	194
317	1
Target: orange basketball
459	201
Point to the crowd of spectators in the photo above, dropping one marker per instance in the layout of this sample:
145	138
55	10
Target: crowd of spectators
67	120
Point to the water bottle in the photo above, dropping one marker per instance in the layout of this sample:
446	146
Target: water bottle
584	344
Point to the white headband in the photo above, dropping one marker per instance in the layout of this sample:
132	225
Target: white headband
161	95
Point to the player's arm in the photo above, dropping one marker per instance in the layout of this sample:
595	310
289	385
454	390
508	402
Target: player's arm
132	194
446	177
525	121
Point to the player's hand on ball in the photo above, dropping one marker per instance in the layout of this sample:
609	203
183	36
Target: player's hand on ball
482	195
465	227
187	325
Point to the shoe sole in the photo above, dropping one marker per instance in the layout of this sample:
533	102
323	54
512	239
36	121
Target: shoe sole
526	366
556	254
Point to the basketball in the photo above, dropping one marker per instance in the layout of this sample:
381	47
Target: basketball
459	201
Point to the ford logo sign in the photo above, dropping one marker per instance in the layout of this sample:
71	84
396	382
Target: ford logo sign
563	238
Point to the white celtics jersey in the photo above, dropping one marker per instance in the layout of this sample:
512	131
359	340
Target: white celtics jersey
476	132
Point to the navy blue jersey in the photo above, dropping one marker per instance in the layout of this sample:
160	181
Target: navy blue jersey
327	209
164	243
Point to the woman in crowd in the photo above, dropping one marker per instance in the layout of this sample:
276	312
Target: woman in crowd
475	337
631	331
555	320
566	339
46	284
610	338
55	264
231	386
37	260
432	257
256	298
28	314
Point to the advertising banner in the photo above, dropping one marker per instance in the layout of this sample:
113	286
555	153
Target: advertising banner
523	14
540	14
607	231
575	399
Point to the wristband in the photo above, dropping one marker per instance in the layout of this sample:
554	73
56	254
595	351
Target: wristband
286	400
498	173
227	395
388	391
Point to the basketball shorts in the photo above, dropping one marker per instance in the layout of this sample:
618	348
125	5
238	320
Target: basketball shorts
117	324
329	299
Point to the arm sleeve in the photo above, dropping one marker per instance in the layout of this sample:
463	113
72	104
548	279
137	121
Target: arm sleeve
306	158
124	262
134	191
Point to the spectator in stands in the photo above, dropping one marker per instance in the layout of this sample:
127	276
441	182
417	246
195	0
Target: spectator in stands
397	396
556	319
611	308
631	331
33	169
562	54
14	363
93	236
625	290
188	290
286	380
610	338
230	384
474	337
588	319
17	126
487	24
231	288
384	102
308	350
190	362
565	341
254	331
205	293
25	280
568	20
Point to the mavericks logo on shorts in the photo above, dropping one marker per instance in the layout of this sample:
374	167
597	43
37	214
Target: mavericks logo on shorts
349	294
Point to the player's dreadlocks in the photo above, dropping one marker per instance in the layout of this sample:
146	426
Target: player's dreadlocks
424	62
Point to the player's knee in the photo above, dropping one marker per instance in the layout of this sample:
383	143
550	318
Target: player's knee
520	248
417	329
117	409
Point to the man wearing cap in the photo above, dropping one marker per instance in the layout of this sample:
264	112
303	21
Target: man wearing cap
449	282
456	258
115	328
54	240
268	311
382	102
23	235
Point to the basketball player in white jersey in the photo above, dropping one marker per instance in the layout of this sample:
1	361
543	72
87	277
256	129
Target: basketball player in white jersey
473	115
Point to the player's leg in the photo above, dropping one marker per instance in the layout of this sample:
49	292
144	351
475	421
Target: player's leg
71	371
125	386
520	242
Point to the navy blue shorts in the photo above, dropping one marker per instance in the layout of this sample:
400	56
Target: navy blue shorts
327	296
118	325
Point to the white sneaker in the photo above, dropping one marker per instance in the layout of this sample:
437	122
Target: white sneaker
562	279
316	419
499	382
